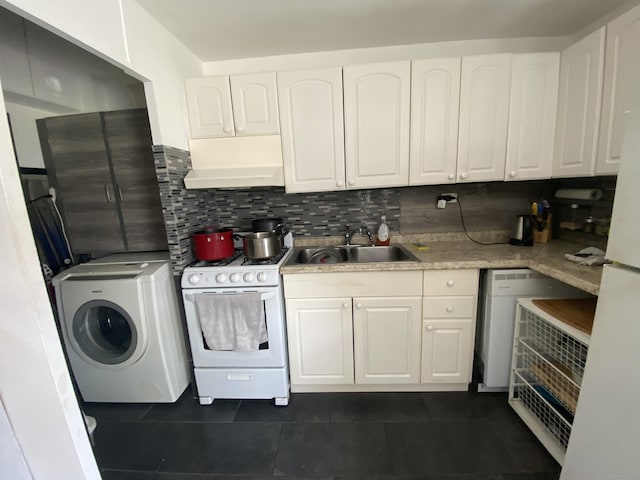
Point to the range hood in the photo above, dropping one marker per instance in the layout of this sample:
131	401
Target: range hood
235	162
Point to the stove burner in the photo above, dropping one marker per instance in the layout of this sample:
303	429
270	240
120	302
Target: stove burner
219	263
267	261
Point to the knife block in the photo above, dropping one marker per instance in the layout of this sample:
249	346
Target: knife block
544	235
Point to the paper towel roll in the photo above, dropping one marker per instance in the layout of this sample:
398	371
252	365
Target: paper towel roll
580	193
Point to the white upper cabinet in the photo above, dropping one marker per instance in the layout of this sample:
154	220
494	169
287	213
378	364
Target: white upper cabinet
376	114
312	129
532	116
484	116
435	103
579	99
255	104
621	91
224	106
209	107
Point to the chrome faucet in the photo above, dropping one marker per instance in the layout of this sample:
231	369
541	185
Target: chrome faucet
348	234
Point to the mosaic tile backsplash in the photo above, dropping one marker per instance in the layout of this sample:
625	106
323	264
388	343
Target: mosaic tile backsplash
486	207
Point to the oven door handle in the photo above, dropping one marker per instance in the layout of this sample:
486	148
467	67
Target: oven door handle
264	295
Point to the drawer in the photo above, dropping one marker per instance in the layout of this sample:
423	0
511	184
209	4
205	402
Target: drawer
353	284
448	307
240	383
450	282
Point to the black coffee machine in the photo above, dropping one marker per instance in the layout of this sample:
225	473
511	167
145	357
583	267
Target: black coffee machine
522	234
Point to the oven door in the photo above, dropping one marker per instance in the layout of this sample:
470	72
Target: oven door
270	354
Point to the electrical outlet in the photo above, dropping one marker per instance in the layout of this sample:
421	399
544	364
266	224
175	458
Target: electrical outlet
445	198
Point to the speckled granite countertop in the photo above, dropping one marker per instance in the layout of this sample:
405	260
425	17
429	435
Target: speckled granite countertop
454	252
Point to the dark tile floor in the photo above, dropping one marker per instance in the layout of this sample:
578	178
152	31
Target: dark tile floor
337	436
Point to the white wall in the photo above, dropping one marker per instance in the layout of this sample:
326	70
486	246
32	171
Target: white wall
338	58
35	386
156	54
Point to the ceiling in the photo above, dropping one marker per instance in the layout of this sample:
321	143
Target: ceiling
228	29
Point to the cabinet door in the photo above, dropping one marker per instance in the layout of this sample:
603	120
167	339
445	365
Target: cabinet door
484	115
386	335
255	104
14	59
78	168
532	116
312	130
376	112
621	92
579	98
209	107
128	137
447	347
435	104
320	340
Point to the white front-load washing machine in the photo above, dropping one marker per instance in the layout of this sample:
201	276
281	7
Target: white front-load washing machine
122	329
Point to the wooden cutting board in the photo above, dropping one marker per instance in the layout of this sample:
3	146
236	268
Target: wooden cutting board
577	312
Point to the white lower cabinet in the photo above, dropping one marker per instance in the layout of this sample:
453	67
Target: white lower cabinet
320	340
378	331
446	351
386	334
448	333
366	340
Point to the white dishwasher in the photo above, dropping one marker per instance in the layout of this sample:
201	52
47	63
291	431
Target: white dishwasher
494	336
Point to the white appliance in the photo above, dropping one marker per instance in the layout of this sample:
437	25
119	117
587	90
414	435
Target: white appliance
263	373
494	341
604	437
121	327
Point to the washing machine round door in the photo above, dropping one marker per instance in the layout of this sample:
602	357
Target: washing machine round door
104	332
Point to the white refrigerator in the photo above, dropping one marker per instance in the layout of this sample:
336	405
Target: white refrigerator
605	438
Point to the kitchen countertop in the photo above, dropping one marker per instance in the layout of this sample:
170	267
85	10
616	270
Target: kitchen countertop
458	253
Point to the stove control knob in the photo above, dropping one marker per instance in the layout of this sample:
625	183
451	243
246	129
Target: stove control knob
262	277
235	278
221	278
248	277
194	279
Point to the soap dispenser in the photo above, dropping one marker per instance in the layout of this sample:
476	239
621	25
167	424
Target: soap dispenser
383	232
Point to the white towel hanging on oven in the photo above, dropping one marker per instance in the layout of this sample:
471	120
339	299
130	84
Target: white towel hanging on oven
232	321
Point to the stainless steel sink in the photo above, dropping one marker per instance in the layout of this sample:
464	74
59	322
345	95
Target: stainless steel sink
351	254
320	255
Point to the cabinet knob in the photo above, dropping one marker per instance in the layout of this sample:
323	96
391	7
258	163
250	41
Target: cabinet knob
429	327
345	305
351	182
451	176
226	130
463	175
340	183
449	308
239	129
358	305
512	174
450	283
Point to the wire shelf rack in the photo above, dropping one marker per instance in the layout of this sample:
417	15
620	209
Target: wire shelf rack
548	366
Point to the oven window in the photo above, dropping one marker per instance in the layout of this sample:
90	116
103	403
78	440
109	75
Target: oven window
105	332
